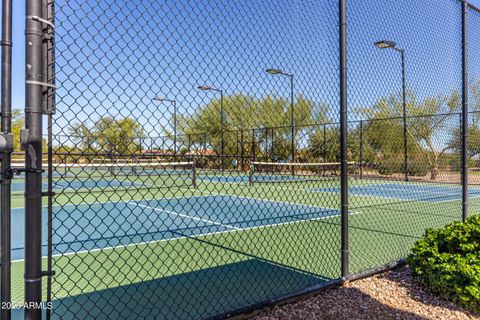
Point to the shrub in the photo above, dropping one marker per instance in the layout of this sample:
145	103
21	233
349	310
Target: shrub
447	262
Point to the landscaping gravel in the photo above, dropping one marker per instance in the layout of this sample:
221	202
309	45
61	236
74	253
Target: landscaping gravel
392	295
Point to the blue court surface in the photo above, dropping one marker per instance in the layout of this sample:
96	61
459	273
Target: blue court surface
76	184
259	178
102	225
407	191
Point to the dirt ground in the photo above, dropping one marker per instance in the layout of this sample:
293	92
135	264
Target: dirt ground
392	295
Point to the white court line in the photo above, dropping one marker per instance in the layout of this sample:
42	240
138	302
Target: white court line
278	201
62	186
183	215
198	235
325	190
413	190
124	201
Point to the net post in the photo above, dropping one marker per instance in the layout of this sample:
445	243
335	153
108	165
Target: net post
194	173
6	156
250	173
465	9
343	138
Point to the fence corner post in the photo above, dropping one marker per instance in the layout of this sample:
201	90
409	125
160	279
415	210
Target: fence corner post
343	136
464	110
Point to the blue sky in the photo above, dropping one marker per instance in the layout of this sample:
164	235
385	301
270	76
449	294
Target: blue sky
229	46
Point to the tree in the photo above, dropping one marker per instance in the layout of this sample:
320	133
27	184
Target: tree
118	136
109	136
427	118
18	122
249	117
473	144
83	136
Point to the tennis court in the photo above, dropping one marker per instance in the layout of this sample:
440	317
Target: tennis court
77	184
219	228
156	220
424	192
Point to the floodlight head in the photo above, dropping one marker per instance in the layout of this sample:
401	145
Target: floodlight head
157	98
385	44
274	71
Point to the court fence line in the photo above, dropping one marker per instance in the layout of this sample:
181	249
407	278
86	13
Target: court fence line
202	160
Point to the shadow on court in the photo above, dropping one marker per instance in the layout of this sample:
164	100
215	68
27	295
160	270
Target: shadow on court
227	287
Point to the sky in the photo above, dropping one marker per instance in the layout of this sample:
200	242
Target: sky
103	66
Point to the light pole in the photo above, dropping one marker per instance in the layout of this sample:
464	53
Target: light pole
174	103
387	44
222	119
292	111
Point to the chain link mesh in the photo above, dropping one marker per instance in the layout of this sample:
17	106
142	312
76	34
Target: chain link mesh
406	140
164	85
195	150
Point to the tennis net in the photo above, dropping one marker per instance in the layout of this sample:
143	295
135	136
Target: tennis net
274	172
89	177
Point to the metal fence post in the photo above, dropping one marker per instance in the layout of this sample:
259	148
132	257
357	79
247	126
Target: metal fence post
242	161
6	127
464	110
361	150
49	104
32	143
253	145
404	112
343	136
273	146
324	143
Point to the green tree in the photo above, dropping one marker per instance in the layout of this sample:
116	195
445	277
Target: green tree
18	122
427	118
118	136
83	136
109	136
473	145
250	116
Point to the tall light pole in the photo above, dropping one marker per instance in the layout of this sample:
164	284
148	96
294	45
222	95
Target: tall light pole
222	119
387	44
292	111
174	103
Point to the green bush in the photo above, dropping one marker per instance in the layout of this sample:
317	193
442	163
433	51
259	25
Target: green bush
447	262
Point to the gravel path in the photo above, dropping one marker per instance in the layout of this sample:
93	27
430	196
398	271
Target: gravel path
392	295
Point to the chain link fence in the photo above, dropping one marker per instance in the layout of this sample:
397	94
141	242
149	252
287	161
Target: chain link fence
192	150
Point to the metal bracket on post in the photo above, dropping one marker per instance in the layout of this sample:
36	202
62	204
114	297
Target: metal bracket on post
47	85
48	37
48	23
6	147
48	273
6	143
24	139
9	174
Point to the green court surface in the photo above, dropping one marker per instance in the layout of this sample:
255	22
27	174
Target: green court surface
303	249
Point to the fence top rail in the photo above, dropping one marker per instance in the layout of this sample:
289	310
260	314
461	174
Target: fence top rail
111	165
473	7
311	164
